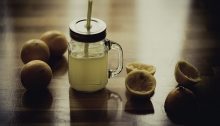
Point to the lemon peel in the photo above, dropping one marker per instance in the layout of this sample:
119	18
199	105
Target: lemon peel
140	66
186	74
140	83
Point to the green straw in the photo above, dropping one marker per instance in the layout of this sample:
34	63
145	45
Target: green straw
88	25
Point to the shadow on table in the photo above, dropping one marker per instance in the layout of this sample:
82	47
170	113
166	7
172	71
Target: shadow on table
135	105
102	106
35	108
37	99
208	94
59	65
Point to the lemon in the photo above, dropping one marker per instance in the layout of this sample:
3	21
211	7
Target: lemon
140	66
56	42
140	83
36	74
181	105
186	74
34	49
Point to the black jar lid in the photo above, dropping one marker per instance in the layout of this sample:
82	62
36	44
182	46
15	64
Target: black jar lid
79	32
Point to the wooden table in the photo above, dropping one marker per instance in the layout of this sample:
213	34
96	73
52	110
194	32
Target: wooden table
157	32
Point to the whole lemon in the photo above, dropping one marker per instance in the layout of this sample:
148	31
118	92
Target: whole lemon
35	49
181	105
56	42
36	74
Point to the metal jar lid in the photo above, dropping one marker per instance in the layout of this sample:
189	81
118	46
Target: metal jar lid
79	32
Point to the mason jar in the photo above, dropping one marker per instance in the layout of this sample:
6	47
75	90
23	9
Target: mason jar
88	56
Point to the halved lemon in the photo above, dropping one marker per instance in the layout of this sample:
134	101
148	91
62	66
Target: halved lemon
181	105
140	83
186	73
140	66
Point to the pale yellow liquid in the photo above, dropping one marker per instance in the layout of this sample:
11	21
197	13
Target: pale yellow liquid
88	74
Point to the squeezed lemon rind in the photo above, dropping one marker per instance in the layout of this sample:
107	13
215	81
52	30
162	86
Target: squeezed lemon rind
144	66
142	93
185	79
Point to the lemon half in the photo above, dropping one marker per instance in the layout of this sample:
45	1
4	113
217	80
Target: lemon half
186	73
140	83
140	66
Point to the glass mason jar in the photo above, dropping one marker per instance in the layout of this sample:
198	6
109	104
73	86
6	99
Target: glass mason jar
88	56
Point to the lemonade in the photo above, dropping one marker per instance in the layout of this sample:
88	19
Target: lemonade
88	73
88	55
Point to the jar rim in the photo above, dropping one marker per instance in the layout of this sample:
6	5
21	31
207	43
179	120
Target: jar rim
79	32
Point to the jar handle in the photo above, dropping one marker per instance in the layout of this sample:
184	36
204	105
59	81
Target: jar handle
115	46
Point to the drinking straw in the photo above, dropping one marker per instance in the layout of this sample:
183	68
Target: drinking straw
88	25
89	14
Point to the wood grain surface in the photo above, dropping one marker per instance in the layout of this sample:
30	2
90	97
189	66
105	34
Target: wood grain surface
157	32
